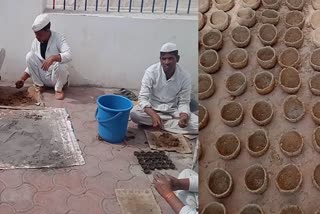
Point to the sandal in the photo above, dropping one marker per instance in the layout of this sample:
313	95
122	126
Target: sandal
127	93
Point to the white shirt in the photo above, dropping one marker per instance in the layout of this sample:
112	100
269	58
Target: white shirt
193	187
165	95
56	45
188	210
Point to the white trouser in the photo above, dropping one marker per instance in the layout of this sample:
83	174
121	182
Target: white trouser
186	197
56	76
170	121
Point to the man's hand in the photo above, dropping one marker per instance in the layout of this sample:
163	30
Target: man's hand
162	184
156	120
175	185
183	122
19	84
47	63
24	77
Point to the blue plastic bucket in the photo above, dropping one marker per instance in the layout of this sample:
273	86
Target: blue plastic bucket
112	115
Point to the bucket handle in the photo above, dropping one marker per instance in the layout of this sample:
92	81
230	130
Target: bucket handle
105	121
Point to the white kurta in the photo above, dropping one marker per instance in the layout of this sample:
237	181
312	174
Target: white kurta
189	198
164	95
57	74
168	98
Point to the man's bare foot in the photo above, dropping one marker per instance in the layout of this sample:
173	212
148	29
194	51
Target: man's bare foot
59	95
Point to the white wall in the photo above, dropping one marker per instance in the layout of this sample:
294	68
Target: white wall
16	18
108	50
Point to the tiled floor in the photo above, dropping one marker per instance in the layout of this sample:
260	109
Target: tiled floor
87	189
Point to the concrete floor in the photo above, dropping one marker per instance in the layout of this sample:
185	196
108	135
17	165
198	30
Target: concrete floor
87	189
272	200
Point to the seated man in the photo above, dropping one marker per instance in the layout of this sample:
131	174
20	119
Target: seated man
185	200
46	62
164	99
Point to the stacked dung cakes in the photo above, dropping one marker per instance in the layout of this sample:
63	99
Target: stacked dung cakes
154	160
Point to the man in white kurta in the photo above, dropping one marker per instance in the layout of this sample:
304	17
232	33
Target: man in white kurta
164	99
48	58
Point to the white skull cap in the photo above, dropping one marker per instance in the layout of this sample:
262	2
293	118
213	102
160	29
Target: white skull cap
40	22
168	47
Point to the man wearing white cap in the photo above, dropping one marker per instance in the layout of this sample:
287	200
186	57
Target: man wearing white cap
46	62
164	99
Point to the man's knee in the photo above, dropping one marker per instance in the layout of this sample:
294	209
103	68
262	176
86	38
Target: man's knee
139	117
62	68
30	56
134	116
60	73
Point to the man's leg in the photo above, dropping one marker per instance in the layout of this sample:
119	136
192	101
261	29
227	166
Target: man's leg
37	75
140	117
60	76
186	197
173	125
